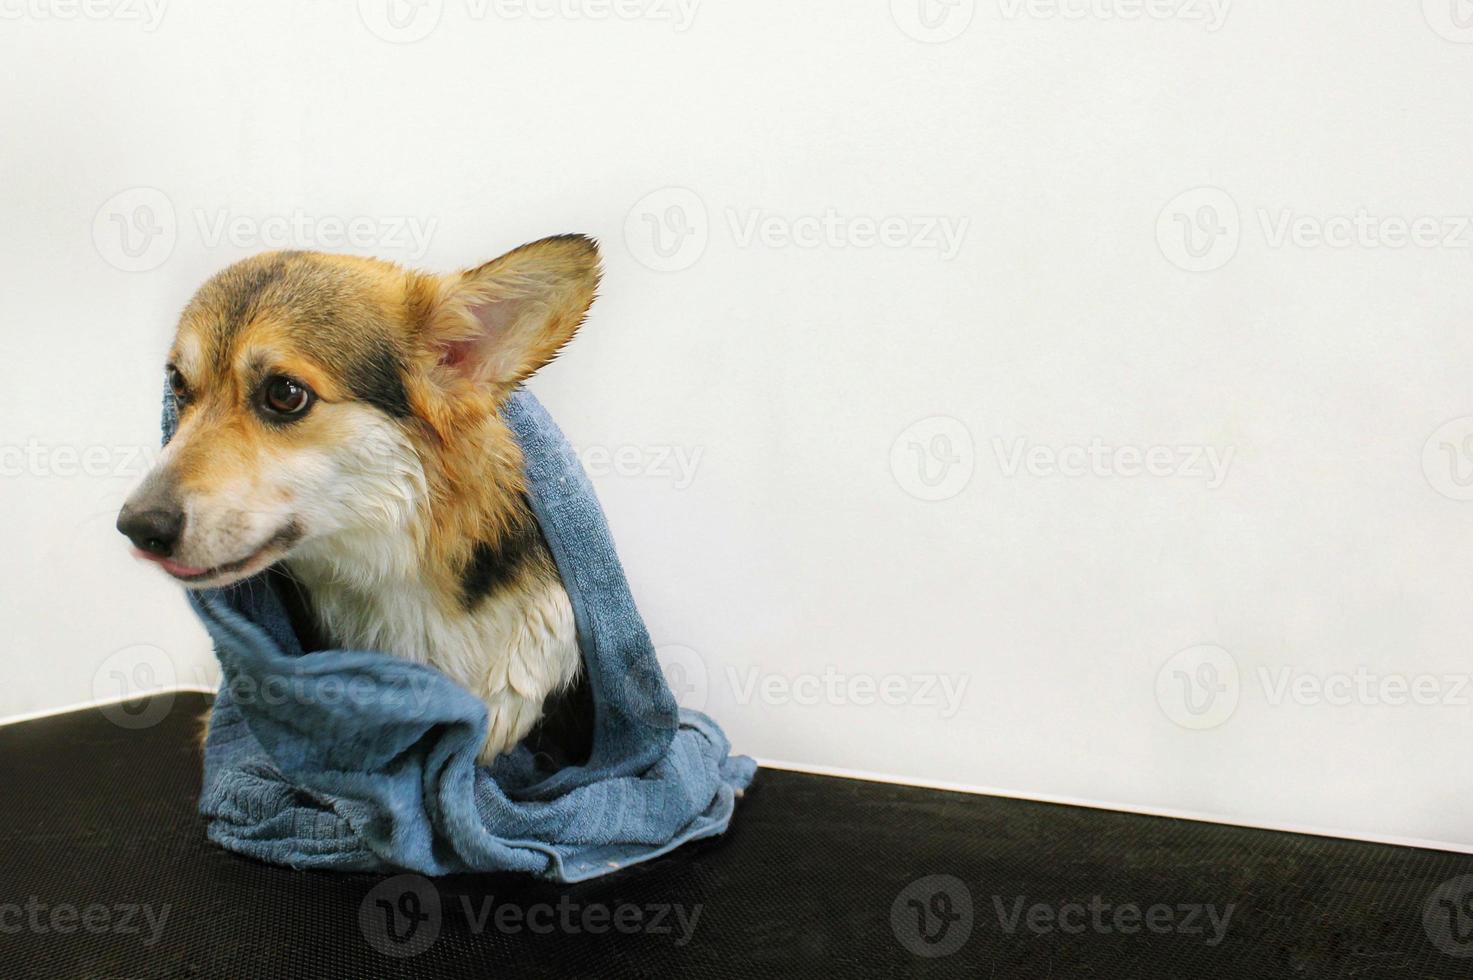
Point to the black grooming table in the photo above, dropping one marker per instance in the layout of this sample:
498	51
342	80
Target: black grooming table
105	873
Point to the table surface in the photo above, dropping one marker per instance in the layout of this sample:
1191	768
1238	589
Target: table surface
105	872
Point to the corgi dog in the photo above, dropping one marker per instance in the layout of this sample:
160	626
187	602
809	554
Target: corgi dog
339	422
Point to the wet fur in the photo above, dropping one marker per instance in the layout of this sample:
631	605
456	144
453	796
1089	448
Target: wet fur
412	533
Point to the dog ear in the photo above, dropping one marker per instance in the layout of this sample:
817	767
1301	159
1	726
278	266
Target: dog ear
499	323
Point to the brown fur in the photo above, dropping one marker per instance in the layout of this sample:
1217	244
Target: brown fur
435	357
314	316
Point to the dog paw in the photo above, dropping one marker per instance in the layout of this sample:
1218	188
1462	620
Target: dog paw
511	717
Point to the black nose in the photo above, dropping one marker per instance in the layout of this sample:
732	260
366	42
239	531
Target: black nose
155	531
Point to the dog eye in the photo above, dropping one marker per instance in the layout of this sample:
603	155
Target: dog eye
283	396
178	385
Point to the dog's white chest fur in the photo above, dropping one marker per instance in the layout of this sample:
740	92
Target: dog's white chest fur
513	649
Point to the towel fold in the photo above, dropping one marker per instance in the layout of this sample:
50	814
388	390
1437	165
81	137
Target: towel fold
359	760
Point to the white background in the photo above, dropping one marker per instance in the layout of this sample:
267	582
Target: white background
1094	292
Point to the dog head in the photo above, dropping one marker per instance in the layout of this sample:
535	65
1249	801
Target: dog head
314	389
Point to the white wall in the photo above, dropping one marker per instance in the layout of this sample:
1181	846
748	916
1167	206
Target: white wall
1063	152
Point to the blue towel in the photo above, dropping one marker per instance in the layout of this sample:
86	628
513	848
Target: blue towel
359	760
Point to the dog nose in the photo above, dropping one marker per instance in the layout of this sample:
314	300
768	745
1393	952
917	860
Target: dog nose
154	530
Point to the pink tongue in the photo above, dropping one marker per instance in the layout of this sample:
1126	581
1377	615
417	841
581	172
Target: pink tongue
178	569
172	566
